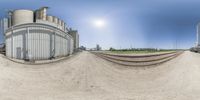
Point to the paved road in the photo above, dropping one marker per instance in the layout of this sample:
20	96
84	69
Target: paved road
88	77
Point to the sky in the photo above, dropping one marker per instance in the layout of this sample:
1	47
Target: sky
166	24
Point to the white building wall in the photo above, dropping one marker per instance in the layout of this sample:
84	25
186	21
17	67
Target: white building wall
18	46
37	43
8	47
71	45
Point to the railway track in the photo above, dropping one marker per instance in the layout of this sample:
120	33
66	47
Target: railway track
138	60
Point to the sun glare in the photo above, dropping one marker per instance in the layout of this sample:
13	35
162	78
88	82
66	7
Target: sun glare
99	23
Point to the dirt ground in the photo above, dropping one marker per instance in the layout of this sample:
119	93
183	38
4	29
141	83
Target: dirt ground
88	77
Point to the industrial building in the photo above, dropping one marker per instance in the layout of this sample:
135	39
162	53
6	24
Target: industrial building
197	44
36	35
198	35
75	35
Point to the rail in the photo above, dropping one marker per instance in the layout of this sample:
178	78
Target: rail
139	60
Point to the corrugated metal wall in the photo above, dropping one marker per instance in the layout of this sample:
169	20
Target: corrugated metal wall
71	45
37	42
8	48
17	45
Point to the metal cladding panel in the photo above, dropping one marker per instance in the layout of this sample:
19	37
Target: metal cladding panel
18	46
8	47
65	47
17	43
68	46
4	24
22	17
75	35
71	45
46	22
37	42
57	48
61	48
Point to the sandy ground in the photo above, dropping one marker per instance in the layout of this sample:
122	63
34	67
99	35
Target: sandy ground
88	77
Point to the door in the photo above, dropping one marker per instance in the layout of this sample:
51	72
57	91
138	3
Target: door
18	52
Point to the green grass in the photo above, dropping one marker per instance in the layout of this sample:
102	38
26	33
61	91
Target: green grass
137	52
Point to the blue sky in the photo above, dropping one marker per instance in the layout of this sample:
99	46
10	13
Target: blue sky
129	23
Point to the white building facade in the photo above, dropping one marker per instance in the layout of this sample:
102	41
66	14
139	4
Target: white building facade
35	35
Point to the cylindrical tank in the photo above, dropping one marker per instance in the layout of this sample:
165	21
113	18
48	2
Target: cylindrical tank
43	13
9	22
22	17
37	14
55	20
59	22
62	24
10	19
50	18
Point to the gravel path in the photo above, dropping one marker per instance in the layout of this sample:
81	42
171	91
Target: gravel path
88	77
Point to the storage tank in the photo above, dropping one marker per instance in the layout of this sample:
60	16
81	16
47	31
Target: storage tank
10	19
59	22
55	20
50	18
22	17
41	13
62	24
37	14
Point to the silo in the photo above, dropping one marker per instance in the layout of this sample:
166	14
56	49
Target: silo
59	22
10	19
50	18
62	24
4	24
37	14
64	27
22	17
55	20
43	13
36	39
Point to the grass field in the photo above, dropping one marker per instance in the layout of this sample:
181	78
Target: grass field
138	52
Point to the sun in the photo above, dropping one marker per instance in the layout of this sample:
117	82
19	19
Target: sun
99	23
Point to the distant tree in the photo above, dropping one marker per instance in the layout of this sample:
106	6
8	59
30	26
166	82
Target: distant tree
82	48
112	49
